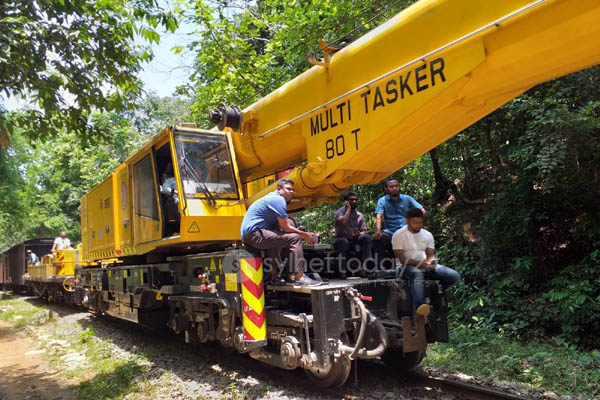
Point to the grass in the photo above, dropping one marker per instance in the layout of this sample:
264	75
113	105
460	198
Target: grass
18	312
480	351
103	376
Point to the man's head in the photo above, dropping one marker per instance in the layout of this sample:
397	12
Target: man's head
352	199
393	187
63	234
28	252
414	219
285	187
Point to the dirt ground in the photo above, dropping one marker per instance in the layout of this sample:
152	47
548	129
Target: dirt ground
24	375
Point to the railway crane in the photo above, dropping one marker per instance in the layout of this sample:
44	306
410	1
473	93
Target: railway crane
407	86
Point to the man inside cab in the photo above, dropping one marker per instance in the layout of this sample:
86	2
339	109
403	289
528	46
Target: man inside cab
32	258
266	227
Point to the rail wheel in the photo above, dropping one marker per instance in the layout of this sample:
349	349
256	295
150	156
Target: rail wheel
334	376
400	363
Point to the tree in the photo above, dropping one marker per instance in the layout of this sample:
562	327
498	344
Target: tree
71	58
60	170
154	113
247	49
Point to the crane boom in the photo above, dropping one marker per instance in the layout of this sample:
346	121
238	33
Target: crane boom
407	86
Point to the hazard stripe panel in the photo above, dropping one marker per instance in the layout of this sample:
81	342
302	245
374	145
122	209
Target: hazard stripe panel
253	300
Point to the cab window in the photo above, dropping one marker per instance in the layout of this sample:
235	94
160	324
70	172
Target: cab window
205	166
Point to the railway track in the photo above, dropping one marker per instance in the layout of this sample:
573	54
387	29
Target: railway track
369	381
463	390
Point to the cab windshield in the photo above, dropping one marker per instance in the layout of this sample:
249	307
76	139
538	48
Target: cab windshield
205	166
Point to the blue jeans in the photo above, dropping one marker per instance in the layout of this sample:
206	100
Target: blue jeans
447	277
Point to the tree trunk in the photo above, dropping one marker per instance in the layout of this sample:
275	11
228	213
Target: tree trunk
442	184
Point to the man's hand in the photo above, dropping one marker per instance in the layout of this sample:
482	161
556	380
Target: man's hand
428	264
346	205
377	235
308	237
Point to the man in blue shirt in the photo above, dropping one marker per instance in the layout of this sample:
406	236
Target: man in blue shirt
266	227
32	258
390	216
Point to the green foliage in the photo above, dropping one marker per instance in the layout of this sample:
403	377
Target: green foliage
575	298
476	349
244	50
72	58
523	258
61	170
11	204
155	113
20	313
115	380
46	179
87	335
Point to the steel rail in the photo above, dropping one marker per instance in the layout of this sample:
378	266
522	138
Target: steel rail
465	390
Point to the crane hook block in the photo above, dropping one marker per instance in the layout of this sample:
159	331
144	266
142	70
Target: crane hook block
226	117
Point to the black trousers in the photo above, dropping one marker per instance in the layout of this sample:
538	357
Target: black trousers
343	245
382	250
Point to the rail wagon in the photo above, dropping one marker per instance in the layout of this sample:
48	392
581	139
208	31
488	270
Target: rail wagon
14	262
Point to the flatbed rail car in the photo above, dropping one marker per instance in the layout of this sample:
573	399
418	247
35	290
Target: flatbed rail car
14	262
53	279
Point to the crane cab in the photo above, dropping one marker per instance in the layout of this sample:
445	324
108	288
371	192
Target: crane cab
179	193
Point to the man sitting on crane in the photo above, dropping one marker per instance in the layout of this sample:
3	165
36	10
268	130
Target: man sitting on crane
266	227
390	216
414	249
351	230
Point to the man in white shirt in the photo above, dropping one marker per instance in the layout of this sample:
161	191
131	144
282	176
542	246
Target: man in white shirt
61	242
414	249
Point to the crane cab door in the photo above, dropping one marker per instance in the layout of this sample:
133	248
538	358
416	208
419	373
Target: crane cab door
169	199
147	219
123	207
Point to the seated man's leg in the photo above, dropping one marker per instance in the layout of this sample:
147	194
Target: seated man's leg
417	284
379	249
446	275
387	260
273	242
341	247
365	247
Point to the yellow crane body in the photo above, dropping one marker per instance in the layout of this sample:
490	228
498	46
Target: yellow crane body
407	86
